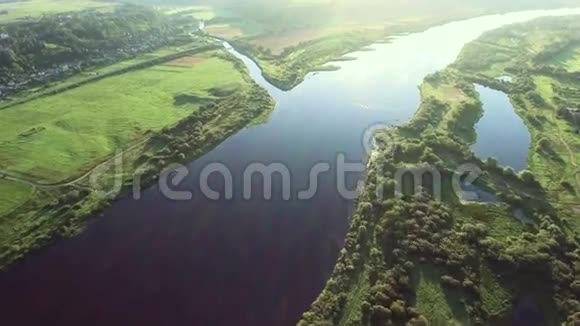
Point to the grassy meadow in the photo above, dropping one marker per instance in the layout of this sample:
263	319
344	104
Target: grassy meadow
56	138
196	12
436	301
97	73
568	59
564	165
12	195
18	10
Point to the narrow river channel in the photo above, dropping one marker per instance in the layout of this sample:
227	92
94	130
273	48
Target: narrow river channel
156	261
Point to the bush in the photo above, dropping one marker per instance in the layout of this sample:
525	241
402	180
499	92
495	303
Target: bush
527	177
380	314
567	186
491	162
419	321
509	172
398	309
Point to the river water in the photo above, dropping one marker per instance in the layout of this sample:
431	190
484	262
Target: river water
156	261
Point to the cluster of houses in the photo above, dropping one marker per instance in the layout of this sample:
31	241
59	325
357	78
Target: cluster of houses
99	57
38	78
133	44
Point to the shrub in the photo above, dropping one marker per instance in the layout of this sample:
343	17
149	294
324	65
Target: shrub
379	314
509	172
491	162
567	186
527	177
398	309
419	321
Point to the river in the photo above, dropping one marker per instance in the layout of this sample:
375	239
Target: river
155	261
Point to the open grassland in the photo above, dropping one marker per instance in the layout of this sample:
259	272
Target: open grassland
554	43
17	10
12	195
196	12
568	59
224	31
59	137
563	165
436	301
89	75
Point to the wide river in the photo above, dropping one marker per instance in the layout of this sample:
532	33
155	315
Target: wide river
157	261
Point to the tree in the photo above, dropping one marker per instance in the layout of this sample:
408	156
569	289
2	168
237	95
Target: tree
419	321
491	162
7	58
379	314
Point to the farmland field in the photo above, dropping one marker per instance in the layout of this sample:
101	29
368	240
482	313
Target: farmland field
197	12
12	194
58	137
225	31
569	59
17	10
96	73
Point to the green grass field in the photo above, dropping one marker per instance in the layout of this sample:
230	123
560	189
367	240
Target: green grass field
564	142
97	73
59	137
496	299
12	195
197	12
442	307
35	8
569	59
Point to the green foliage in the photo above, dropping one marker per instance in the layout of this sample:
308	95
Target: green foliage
496	299
12	195
433	299
82	39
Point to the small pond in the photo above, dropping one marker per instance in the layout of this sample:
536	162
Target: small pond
501	133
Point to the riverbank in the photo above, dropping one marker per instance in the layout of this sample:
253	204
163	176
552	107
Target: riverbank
287	68
232	255
409	258
543	92
286	53
44	203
